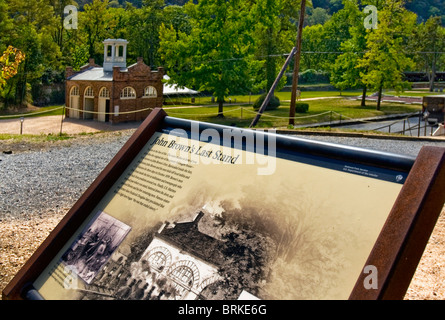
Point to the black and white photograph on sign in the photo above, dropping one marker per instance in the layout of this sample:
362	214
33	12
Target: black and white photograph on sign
91	251
201	256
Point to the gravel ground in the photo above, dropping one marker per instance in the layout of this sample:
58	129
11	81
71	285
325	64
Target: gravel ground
40	182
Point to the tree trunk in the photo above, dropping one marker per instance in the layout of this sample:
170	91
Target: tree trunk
363	104
433	75
220	108
379	99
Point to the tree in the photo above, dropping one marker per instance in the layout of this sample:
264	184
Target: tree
33	26
313	43
6	25
345	72
386	58
93	22
143	30
217	54
429	43
317	16
9	63
272	36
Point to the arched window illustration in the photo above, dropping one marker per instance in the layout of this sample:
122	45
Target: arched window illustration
158	261
184	275
184	272
159	258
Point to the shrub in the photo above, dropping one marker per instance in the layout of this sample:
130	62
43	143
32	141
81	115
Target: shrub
273	104
301	107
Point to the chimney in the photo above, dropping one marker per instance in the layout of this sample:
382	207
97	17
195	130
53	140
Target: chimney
198	217
69	72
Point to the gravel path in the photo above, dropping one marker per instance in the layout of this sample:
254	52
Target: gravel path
33	181
38	187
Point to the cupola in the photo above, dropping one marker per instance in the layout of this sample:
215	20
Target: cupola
115	54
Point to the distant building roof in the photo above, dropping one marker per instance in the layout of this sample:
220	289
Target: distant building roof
171	89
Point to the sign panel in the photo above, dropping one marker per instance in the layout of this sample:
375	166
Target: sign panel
210	212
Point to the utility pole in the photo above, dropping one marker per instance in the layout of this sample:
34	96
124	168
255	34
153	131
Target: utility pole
297	64
272	89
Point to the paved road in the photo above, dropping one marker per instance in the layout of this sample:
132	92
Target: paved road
408	126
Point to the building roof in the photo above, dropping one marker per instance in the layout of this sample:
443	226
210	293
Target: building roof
98	74
187	237
93	74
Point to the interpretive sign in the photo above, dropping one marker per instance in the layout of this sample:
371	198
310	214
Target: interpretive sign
189	210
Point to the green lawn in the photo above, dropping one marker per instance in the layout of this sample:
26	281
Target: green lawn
283	96
40	112
322	110
34	138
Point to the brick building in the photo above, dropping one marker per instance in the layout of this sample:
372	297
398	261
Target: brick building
113	93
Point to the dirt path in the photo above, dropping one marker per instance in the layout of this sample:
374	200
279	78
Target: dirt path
54	125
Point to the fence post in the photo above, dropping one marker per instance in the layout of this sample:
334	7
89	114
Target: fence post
418	127
61	122
21	125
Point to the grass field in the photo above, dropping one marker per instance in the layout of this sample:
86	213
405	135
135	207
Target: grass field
238	110
320	110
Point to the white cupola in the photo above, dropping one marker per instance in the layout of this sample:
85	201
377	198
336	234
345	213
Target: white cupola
115	54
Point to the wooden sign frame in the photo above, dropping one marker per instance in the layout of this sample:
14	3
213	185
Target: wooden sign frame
395	254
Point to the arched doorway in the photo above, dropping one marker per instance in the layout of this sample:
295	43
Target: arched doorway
104	105
74	103
88	105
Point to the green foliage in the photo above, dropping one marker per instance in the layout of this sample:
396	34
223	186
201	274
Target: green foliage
217	55
273	104
271	34
386	57
428	41
345	73
225	47
9	63
313	76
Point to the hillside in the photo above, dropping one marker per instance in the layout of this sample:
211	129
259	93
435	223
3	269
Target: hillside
423	8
